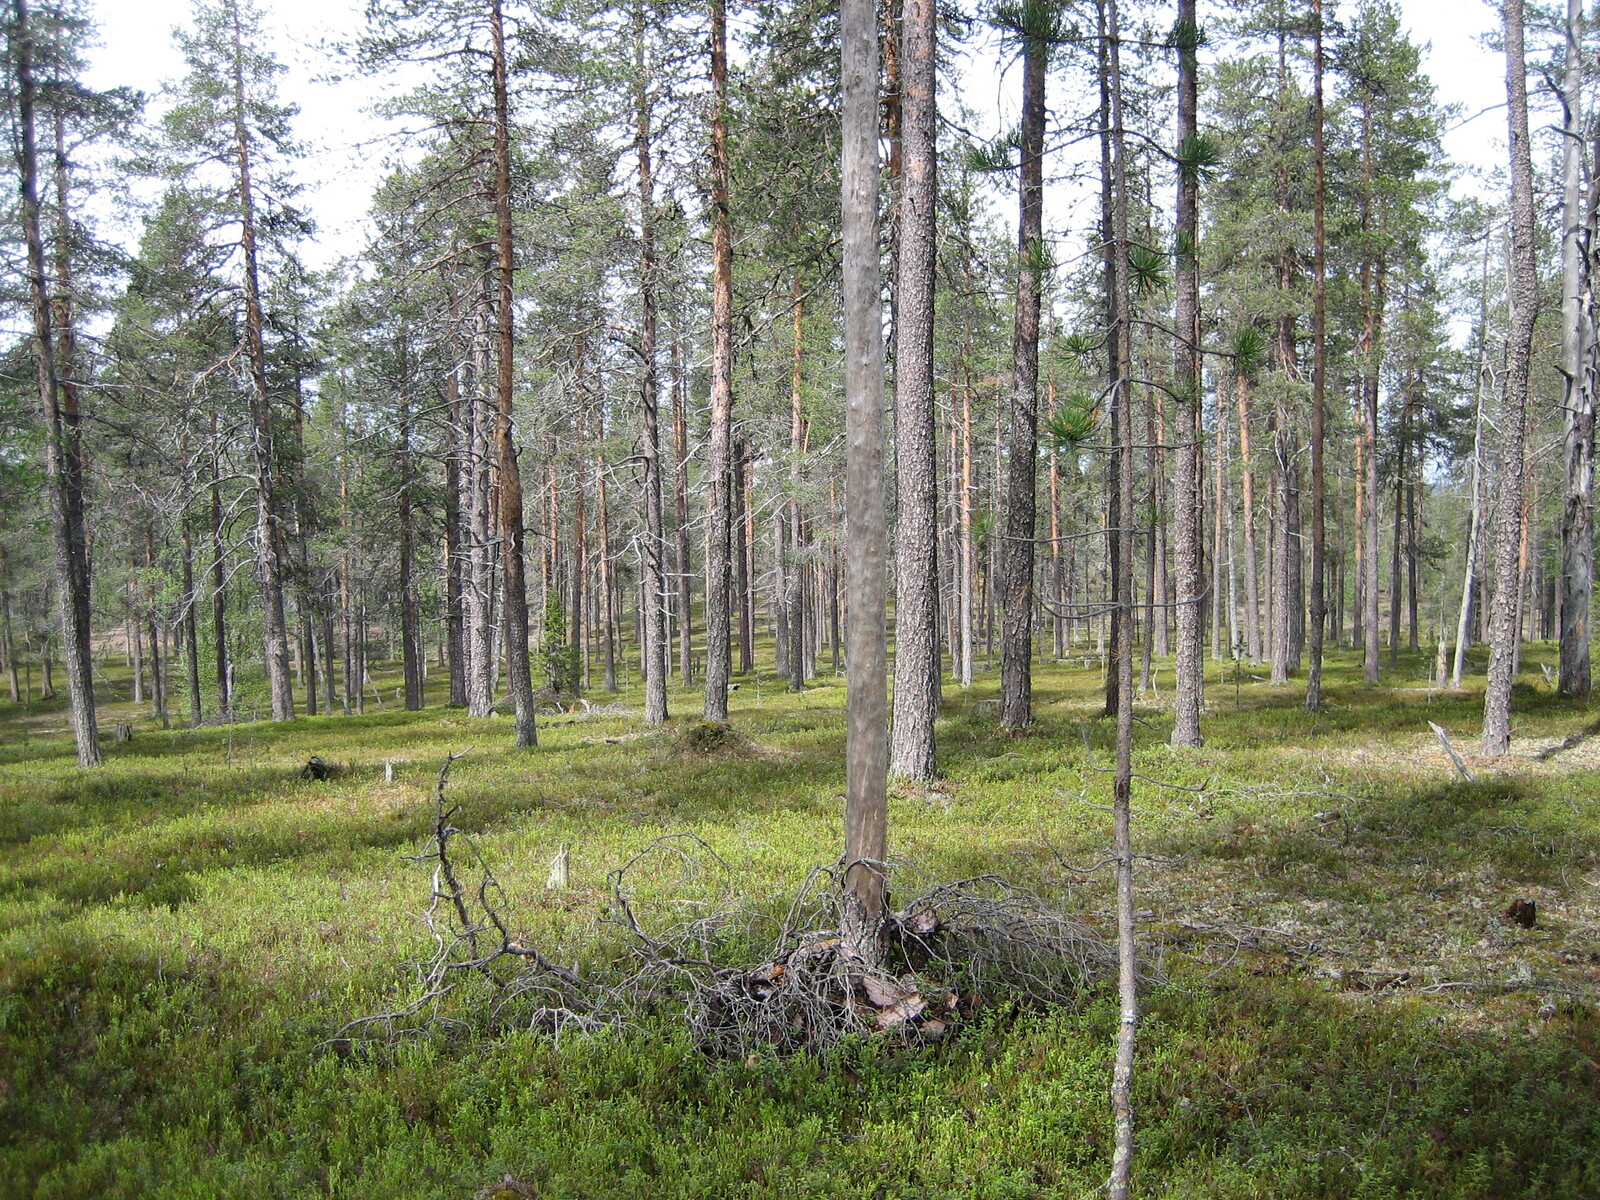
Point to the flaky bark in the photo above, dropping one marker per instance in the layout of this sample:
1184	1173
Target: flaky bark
268	536
62	456
1190	585
916	641
1019	520
1319	376
1523	291
719	533
519	674
866	754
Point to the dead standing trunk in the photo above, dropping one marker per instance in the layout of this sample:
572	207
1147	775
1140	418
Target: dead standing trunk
1577	370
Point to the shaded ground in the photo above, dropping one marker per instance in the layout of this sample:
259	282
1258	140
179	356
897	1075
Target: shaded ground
1349	1013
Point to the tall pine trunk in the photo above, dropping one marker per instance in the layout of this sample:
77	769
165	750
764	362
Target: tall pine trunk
1190	584
269	535
1523	288
867	750
916	643
519	676
1019	518
63	455
719	499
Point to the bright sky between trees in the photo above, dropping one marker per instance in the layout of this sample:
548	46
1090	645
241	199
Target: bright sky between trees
346	151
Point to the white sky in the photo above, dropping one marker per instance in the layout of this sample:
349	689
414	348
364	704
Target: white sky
343	164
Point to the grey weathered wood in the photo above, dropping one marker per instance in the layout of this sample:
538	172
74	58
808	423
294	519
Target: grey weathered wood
1444	740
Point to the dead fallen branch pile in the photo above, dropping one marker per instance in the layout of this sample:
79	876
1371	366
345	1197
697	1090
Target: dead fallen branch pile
956	949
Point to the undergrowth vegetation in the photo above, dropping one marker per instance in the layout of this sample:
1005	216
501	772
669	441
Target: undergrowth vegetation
1345	1011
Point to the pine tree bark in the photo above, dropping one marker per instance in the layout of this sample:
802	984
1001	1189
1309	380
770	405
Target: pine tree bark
1190	584
653	600
917	667
1523	288
719	501
519	674
269	535
62	440
866	754
1122	780
1019	520
1319	374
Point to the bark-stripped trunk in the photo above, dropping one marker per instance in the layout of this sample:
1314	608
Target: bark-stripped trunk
916	641
1523	288
62	445
1020	516
719	501
519	674
866	754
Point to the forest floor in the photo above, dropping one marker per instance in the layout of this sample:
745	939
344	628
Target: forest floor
1345	1009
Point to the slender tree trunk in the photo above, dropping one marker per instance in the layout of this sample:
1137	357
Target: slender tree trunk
608	596
456	450
1020	518
1190	583
1319	375
968	549
1524	299
268	536
1122	785
916	643
62	438
743	552
519	676
191	641
680	501
719	501
410	623
1247	500
1577	370
866	808
792	595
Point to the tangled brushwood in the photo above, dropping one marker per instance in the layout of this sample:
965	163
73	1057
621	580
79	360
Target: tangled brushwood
956	949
